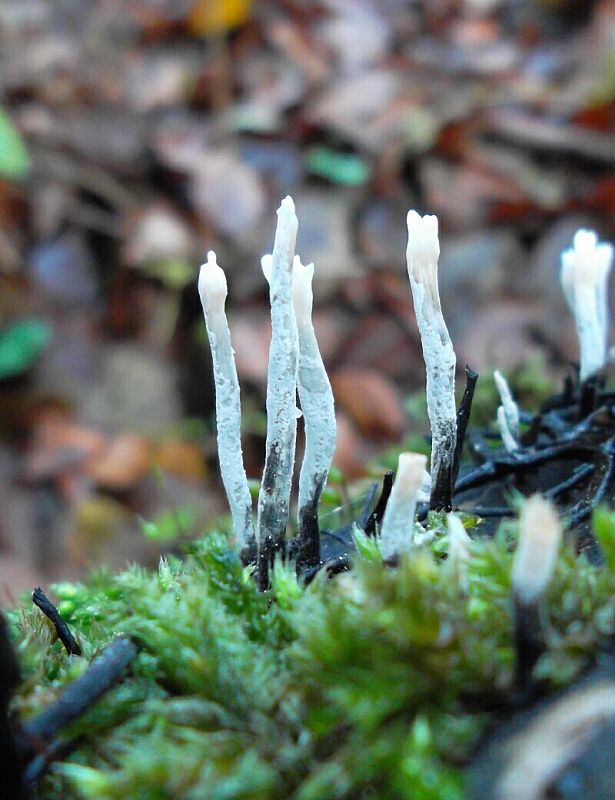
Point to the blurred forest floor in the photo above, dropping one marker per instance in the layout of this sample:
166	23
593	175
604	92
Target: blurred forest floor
135	135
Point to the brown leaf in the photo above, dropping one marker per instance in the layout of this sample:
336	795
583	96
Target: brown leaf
350	448
371	400
123	464
183	459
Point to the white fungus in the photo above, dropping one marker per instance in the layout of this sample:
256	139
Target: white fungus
274	495
396	531
459	544
540	534
508	440
213	291
315	396
511	409
584	277
440	361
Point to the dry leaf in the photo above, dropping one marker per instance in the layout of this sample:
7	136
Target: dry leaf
371	400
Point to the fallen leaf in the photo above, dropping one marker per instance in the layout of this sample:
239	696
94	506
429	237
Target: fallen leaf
371	401
216	17
123	464
182	459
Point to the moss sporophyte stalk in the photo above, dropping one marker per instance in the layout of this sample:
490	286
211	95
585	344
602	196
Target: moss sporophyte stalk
411	654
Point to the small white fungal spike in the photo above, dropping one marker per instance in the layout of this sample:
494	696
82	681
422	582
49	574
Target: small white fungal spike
584	277
540	534
508	440
396	532
212	284
459	541
302	293
459	544
213	290
440	361
511	409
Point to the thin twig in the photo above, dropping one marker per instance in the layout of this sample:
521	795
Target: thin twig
40	600
81	694
491	511
579	474
502	466
376	516
363	519
463	417
39	765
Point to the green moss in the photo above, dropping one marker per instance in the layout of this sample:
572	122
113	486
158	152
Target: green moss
377	684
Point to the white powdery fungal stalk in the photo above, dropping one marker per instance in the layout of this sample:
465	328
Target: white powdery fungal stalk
440	361
540	534
584	278
397	529
510	410
274	495
213	292
458	548
315	396
508	440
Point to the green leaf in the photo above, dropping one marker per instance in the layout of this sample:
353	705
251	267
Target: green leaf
343	168
14	159
20	346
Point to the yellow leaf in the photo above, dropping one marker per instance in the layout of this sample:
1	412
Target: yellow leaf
211	17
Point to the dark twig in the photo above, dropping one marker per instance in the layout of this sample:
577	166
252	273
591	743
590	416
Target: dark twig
80	695
540	456
492	511
478	476
378	512
501	466
579	513
580	473
40	600
608	449
367	504
463	417
39	765
553	425
582	510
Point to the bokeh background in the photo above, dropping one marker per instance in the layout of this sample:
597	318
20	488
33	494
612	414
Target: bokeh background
137	134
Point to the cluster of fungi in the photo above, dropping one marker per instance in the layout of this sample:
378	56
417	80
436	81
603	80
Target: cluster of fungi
565	452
